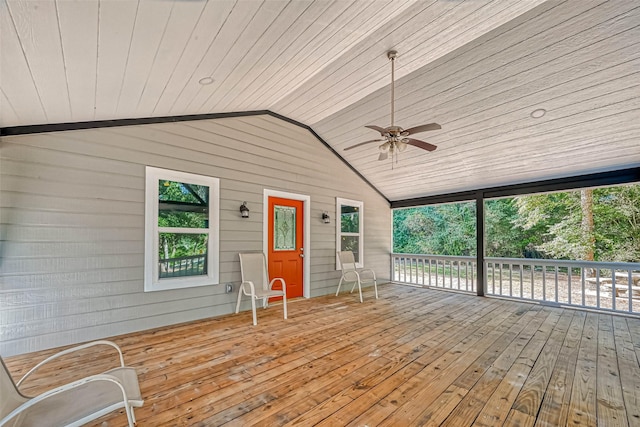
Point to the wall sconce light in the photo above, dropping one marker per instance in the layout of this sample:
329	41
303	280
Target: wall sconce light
326	218
244	210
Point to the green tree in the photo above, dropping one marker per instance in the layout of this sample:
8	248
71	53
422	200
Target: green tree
442	229
562	227
503	238
602	224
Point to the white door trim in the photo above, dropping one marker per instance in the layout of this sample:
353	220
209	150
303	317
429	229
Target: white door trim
306	286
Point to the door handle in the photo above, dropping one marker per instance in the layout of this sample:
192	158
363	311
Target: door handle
301	255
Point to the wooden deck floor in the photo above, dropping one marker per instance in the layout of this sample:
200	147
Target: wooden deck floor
413	357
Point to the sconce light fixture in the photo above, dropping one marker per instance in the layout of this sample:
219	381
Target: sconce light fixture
244	210
326	218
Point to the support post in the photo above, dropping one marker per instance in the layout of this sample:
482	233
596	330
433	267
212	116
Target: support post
481	282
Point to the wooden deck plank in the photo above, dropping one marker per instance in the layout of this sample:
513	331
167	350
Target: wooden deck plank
434	414
582	404
530	397
413	357
634	330
398	405
629	370
519	419
469	408
609	388
529	376
403	351
236	399
554	408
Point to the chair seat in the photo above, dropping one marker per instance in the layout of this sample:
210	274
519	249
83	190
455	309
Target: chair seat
267	293
87	398
71	404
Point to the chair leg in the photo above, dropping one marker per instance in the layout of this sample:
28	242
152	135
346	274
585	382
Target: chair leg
253	309
353	288
130	417
239	297
339	283
360	290
284	305
375	286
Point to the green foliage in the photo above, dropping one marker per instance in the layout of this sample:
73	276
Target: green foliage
531	226
350	222
442	229
502	238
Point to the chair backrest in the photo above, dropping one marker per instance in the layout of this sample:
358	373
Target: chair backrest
347	260
11	397
253	267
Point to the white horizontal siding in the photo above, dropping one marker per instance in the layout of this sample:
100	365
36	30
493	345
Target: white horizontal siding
72	221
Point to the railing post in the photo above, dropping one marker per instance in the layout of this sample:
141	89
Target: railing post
480	284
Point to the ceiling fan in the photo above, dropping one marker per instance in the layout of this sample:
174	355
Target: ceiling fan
395	137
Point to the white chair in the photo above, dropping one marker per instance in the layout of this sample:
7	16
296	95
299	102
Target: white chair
256	285
72	404
351	274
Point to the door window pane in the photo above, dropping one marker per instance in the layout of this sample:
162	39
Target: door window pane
284	228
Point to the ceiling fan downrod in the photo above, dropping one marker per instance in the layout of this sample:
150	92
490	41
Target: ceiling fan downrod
392	54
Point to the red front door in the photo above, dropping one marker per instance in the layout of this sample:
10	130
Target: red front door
286	253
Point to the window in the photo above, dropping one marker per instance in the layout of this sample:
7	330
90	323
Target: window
349	229
181	230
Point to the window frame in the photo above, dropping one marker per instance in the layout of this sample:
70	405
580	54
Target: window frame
152	281
339	234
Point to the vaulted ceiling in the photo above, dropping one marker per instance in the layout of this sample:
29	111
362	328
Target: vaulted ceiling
477	67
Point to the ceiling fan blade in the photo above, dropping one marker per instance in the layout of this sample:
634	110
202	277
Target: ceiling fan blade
421	144
422	128
384	155
363	143
382	131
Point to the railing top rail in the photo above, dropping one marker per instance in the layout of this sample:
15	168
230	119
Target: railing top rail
633	266
567	263
440	257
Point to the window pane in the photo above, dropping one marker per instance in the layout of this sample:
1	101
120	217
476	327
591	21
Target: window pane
182	205
182	255
284	228
349	219
351	243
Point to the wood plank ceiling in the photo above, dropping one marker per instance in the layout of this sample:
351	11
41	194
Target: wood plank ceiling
479	68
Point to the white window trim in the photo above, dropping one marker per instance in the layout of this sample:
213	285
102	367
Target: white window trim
360	205
151	231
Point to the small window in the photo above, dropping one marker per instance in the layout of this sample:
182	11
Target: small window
181	230
349	229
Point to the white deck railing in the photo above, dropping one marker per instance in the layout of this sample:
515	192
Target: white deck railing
611	286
